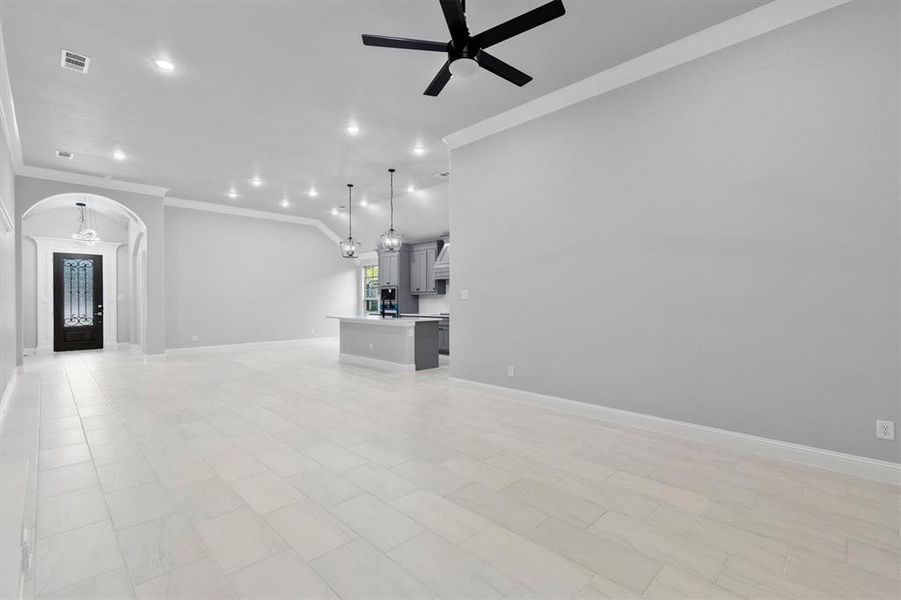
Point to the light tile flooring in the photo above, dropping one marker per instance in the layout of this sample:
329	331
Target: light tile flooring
283	474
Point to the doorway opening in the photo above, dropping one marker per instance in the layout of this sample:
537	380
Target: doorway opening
97	300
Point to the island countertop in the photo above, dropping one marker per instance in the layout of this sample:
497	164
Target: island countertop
387	321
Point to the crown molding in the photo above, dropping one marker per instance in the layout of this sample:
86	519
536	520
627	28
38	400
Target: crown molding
91	180
237	211
749	25
8	112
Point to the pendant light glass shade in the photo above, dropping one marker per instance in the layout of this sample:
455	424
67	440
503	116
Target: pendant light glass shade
391	240
85	234
350	248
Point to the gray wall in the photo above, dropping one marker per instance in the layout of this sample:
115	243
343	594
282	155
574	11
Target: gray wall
235	279
8	270
61	223
717	244
149	209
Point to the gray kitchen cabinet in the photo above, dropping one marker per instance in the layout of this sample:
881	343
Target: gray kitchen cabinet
422	270
417	272
444	336
394	272
388	269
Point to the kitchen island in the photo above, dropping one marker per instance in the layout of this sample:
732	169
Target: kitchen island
405	343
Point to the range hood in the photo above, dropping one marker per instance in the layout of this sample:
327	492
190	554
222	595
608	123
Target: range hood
441	269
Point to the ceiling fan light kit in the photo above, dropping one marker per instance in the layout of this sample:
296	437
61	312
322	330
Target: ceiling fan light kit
465	52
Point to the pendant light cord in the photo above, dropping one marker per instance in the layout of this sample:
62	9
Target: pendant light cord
350	212
392	198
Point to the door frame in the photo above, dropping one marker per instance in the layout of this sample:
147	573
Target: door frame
46	247
59	327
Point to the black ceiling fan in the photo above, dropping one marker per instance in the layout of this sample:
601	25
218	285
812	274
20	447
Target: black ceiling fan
465	52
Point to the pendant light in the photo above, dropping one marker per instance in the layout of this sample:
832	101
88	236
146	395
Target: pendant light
349	247
391	240
85	234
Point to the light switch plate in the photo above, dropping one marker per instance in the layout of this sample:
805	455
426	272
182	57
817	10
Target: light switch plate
885	430
464	294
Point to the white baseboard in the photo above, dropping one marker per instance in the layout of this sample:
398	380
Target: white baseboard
250	345
8	391
47	351
848	464
365	361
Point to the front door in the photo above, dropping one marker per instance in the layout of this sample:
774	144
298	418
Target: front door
77	301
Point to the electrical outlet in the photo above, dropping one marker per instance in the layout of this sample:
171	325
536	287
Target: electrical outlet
370	346
464	294
885	430
510	371
194	338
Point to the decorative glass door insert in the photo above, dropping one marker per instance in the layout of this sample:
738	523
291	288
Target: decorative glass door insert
77	301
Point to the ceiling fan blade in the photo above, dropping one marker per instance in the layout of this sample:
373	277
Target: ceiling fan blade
456	19
405	43
440	81
502	69
524	22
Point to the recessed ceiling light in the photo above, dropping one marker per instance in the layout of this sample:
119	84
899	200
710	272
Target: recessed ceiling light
232	194
164	65
118	155
410	189
256	182
334	211
352	129
285	203
418	150
312	193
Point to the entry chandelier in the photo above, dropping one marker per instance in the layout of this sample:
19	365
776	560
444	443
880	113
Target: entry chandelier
86	234
391	240
350	248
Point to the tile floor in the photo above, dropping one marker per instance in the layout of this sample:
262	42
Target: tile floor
283	474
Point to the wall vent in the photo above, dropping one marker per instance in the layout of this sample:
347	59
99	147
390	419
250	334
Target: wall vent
65	154
442	175
74	61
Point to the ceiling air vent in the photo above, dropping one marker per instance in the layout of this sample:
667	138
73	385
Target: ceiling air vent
74	61
442	175
65	154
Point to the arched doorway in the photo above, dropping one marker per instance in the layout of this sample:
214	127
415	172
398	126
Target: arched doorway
47	228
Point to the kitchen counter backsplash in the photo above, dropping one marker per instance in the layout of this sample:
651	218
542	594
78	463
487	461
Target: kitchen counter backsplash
434	305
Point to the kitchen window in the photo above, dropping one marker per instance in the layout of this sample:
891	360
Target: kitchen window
371	290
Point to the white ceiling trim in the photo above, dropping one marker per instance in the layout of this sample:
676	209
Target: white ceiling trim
251	213
91	180
8	112
722	35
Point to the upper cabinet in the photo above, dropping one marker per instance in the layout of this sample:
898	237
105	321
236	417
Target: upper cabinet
422	269
389	269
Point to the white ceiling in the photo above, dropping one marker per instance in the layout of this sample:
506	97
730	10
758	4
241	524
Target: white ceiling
267	88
